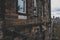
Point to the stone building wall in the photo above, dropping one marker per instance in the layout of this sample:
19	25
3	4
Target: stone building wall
26	28
12	15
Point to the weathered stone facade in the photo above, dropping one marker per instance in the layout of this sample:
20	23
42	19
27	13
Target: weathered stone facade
32	28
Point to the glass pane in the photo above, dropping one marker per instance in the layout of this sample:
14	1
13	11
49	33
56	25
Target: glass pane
21	5
34	3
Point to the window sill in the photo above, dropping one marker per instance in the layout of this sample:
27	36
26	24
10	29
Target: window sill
22	17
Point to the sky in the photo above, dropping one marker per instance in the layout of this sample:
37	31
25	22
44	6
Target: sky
55	8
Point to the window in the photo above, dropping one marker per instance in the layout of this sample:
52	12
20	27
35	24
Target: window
21	6
42	11
35	8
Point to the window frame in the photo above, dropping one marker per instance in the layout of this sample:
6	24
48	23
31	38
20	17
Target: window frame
21	13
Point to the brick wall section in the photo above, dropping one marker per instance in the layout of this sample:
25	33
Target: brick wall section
46	11
39	10
12	15
46	18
